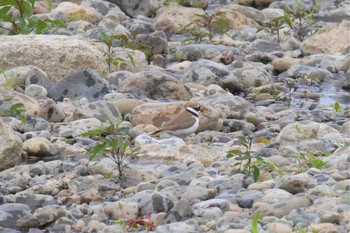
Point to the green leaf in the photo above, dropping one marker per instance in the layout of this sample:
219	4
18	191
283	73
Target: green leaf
41	27
98	149
255	222
243	140
131	59
288	20
256	173
94	132
232	153
317	162
262	140
3	12
327	153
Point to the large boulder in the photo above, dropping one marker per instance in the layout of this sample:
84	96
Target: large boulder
57	55
158	113
331	38
10	147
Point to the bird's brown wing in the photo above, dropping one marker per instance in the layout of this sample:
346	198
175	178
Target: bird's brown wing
181	121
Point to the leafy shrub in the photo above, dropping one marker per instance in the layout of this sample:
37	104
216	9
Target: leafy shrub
113	145
25	22
250	164
204	27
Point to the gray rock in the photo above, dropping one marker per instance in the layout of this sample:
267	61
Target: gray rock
156	42
50	213
10	147
104	111
229	105
38	77
85	83
296	183
51	112
208	72
265	46
157	85
11	213
119	78
181	211
251	77
176	227
161	203
203	51
39	147
282	208
142	25
104	7
144	200
35	91
310	74
135	8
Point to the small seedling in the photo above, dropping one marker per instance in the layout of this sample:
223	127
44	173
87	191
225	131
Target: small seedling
9	80
16	110
337	107
113	145
26	22
274	27
248	163
291	85
301	20
204	27
307	161
255	223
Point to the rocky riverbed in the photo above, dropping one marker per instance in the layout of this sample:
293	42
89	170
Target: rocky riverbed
283	103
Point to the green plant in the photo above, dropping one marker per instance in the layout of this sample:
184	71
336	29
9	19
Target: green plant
25	22
16	110
9	80
300	19
255	223
291	84
274	27
113	145
204	27
306	161
248	163
337	107
134	223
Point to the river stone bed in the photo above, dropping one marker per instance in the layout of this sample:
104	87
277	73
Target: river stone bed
187	185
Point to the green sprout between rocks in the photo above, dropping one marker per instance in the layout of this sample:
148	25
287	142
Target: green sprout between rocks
300	21
337	107
204	27
113	41
274	27
255	223
306	161
250	164
16	110
113	145
24	22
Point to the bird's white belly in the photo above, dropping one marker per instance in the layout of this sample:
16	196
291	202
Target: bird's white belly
187	131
